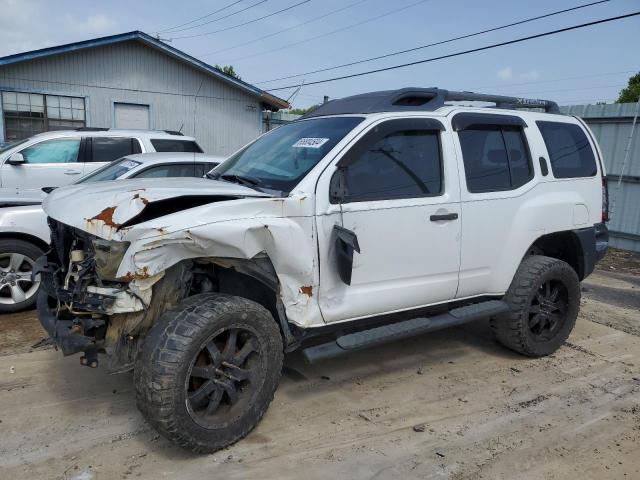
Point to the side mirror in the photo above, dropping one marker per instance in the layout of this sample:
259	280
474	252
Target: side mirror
346	242
337	186
16	159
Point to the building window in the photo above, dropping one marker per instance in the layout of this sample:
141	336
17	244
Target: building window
26	114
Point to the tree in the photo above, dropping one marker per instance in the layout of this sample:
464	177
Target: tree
303	111
632	91
228	69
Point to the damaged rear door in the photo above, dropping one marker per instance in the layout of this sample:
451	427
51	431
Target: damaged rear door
388	222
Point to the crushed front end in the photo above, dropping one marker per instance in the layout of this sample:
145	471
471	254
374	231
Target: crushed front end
85	308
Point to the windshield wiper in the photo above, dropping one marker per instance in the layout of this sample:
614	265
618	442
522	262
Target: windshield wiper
247	181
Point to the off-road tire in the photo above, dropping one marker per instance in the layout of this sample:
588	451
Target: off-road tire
30	250
512	329
163	368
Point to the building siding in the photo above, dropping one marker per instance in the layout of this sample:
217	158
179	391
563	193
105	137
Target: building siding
611	125
225	117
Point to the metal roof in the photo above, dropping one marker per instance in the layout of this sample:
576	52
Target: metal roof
268	99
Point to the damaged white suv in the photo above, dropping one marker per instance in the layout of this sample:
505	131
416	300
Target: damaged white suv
374	218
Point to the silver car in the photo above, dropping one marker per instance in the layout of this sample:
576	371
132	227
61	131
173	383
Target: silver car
24	233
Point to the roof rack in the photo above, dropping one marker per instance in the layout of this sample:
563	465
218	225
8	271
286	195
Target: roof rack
91	129
421	99
174	132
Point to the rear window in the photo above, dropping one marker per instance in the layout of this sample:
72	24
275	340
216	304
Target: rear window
569	150
107	149
171	145
496	158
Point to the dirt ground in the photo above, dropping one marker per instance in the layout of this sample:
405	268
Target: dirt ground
452	404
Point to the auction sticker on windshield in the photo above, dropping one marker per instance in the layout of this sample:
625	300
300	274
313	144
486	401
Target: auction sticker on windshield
310	142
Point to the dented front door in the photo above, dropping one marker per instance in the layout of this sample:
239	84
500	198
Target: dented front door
402	203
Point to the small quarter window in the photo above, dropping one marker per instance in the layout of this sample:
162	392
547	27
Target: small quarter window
569	150
496	157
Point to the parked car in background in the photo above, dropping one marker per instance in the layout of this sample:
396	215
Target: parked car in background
57	158
24	233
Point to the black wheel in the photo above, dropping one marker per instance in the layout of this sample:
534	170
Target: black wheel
208	370
17	290
544	297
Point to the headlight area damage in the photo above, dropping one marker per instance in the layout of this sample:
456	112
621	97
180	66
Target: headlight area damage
107	282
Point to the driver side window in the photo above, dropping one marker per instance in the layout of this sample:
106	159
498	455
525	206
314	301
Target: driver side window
60	150
394	161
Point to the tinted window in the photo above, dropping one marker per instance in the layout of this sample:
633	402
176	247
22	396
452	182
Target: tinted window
172	170
107	149
110	171
495	158
61	150
569	150
171	145
281	158
401	164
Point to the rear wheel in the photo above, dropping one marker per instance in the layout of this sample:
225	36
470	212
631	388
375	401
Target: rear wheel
208	370
544	297
17	290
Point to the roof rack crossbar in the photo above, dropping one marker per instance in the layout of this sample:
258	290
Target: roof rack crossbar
503	101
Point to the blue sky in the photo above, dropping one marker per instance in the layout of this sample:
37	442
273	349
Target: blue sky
604	55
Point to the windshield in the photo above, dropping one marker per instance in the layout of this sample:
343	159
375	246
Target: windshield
12	144
111	171
281	158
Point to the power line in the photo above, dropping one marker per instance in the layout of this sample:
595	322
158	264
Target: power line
200	18
315	19
580	77
464	52
502	86
357	24
260	2
442	42
245	23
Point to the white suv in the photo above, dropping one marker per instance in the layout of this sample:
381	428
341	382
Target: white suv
375	218
57	158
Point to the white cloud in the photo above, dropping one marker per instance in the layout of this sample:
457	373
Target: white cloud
93	25
507	74
531	75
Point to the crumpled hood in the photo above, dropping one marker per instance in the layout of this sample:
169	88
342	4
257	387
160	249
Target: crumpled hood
107	206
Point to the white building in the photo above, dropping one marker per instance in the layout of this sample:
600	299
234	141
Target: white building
129	80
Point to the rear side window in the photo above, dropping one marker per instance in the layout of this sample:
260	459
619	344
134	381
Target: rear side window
496	157
107	149
569	150
171	145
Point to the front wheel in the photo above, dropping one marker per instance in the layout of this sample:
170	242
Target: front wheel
544	298
18	291
208	370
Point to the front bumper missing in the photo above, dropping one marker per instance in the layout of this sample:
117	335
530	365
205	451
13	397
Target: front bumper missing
67	335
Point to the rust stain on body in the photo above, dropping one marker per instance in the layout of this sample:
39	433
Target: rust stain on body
129	276
142	199
307	290
106	216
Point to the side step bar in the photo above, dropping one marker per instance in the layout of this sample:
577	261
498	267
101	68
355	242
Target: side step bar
399	330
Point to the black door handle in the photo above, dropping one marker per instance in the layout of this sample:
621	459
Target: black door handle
446	216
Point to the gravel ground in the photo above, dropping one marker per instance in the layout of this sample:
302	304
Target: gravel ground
453	404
